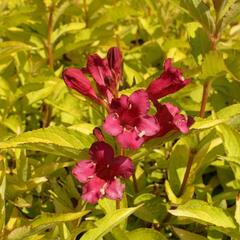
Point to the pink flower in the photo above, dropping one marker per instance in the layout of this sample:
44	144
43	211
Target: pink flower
169	118
170	81
100	175
107	72
75	79
128	120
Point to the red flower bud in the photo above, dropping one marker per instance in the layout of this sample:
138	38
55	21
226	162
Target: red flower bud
75	79
114	57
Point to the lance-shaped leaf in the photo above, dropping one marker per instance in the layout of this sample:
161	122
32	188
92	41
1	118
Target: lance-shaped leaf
108	222
55	140
231	143
200	12
202	212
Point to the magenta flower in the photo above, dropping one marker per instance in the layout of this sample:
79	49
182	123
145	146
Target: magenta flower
128	120
169	118
107	72
75	79
170	81
100	175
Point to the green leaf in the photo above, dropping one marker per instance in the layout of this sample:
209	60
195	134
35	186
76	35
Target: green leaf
232	64
108	222
229	111
71	27
231	14
146	234
231	143
237	211
213	64
10	47
222	7
48	218
41	223
202	212
187	194
55	140
206	123
218	4
154	209
49	168
119	234
186	235
200	12
2	192
177	165
200	44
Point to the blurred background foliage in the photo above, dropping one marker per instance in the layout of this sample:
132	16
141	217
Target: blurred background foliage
39	38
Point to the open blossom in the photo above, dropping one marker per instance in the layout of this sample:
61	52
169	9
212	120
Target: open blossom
169	118
170	81
128	120
106	72
100	175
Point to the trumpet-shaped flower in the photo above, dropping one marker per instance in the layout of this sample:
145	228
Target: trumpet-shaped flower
100	175
128	120
170	81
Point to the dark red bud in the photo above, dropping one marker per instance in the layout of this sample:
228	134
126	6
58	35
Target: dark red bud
98	134
75	79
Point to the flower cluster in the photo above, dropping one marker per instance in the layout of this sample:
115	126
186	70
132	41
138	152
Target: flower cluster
128	120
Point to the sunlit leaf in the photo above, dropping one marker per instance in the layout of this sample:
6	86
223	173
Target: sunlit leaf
55	140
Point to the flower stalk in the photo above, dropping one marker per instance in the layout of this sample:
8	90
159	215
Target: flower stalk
47	109
128	120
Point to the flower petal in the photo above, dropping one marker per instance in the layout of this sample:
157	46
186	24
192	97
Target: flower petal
181	123
115	189
75	79
171	108
148	126
84	170
98	68
93	190
130	139
165	118
169	118
101	73
112	124
139	102
101	153
122	167
119	104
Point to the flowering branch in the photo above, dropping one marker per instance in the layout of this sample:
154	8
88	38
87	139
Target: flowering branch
128	120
